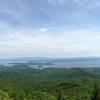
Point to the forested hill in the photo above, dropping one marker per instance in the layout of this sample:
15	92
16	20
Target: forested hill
50	84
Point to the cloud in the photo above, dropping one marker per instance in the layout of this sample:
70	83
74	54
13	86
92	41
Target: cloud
57	1
39	42
88	4
43	29
12	9
40	28
78	2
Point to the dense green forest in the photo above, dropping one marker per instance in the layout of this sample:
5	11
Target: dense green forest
50	84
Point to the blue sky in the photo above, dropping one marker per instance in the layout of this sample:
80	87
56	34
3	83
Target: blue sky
49	28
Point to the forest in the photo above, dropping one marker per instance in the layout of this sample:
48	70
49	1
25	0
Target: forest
50	84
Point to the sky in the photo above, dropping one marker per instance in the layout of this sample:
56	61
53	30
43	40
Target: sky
49	28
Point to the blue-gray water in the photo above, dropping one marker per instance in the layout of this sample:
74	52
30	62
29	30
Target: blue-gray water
62	62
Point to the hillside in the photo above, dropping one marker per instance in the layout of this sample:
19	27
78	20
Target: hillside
50	84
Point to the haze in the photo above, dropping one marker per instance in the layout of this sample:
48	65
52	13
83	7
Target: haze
49	28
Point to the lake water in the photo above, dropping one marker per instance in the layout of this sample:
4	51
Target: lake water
71	62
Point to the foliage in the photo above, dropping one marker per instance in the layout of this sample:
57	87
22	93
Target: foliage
50	84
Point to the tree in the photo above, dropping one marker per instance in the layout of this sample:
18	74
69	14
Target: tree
96	93
4	96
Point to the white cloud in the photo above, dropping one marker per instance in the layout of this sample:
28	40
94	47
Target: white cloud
57	1
39	42
88	4
52	38
79	2
43	29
